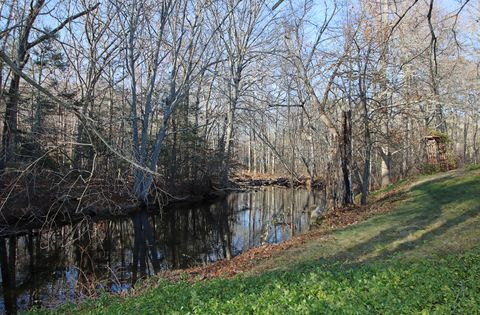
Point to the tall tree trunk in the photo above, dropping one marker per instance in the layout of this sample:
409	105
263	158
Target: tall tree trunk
386	166
475	146
465	139
10	128
10	123
228	141
368	151
347	157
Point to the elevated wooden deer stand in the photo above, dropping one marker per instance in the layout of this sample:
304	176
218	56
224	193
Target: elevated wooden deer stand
436	152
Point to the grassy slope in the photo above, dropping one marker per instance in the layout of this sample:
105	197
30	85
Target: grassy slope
436	215
422	257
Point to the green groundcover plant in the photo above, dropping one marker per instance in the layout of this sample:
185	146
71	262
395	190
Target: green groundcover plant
449	285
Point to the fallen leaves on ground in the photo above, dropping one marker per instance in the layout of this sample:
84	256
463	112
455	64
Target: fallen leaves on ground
335	219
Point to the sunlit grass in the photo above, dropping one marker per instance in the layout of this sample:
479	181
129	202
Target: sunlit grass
421	257
442	286
438	214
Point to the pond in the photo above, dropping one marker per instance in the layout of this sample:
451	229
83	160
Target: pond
48	267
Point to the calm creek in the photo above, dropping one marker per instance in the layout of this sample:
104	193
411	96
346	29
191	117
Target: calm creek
50	267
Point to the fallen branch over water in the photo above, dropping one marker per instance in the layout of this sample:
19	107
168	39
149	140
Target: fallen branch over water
256	181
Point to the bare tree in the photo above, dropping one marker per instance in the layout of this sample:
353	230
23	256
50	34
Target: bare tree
23	45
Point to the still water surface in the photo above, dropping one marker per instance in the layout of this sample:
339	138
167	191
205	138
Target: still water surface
48	268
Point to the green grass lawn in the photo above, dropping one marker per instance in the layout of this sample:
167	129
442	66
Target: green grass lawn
423	257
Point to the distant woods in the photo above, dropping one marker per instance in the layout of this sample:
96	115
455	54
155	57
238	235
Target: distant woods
106	104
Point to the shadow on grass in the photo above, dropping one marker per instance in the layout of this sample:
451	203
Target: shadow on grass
340	283
439	206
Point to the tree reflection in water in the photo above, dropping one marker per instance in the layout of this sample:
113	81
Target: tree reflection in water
47	268
144	247
7	263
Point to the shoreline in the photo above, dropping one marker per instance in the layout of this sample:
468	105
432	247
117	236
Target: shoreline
66	213
346	238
